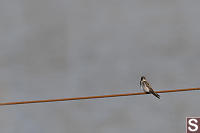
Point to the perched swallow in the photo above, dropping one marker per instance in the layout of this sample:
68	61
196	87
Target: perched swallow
147	88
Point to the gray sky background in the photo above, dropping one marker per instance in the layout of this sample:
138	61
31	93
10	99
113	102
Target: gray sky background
69	48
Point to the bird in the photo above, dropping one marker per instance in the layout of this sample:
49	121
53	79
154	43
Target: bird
147	87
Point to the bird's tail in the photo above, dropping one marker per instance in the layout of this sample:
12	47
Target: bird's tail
156	95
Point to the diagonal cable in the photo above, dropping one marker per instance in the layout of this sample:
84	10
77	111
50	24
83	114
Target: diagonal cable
93	97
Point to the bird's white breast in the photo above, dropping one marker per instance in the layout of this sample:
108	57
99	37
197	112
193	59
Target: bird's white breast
145	88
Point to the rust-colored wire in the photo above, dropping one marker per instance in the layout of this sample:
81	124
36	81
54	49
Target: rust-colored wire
94	97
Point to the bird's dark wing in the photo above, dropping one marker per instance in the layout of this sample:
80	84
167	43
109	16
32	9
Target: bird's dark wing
147	84
151	90
155	94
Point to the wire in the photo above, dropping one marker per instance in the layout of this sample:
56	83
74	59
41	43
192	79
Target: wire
93	97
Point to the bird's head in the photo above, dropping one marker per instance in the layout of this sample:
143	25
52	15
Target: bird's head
143	78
